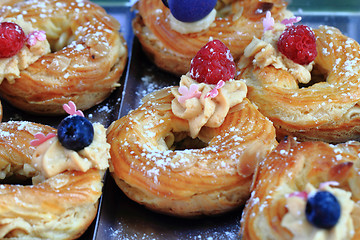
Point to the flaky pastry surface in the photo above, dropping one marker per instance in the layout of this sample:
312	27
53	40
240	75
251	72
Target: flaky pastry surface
192	179
237	23
325	109
288	169
87	58
61	207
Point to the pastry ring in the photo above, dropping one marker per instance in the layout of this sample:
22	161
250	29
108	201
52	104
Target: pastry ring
326	108
86	59
287	179
60	207
237	22
157	164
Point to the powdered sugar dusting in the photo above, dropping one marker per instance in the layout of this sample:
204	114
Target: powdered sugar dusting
91	32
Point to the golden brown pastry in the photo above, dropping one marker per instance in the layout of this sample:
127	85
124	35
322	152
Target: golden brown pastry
60	206
6	2
163	159
235	24
81	59
315	101
287	182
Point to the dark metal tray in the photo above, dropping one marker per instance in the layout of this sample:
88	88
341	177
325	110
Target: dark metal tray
120	218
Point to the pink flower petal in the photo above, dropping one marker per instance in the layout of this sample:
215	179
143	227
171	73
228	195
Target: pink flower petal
31	40
183	91
290	21
33	37
187	93
214	92
40	35
302	195
70	108
268	22
41	138
220	84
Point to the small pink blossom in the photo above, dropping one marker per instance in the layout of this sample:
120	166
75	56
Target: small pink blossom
41	138
268	22
329	183
71	109
214	92
303	195
187	93
33	37
288	22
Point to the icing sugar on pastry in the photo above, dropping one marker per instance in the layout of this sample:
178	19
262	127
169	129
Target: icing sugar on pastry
61	206
192	150
316	100
87	57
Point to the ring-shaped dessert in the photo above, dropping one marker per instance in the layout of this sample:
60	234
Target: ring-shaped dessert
326	107
281	205
81	60
156	162
236	23
60	206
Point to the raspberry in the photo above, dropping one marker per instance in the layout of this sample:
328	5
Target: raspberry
212	63
12	39
298	43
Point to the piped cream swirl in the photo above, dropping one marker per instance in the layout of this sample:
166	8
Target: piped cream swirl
51	158
207	111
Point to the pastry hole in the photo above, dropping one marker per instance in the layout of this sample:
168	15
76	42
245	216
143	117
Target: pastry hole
263	7
317	75
183	141
16	180
17	174
59	33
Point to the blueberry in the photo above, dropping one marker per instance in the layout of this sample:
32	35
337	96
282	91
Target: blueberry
190	10
323	210
75	132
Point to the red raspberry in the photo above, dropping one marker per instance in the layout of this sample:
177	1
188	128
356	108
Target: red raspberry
298	43
12	39
212	63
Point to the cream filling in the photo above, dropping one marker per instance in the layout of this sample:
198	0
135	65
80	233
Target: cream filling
263	52
207	111
51	158
11	67
295	220
192	27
